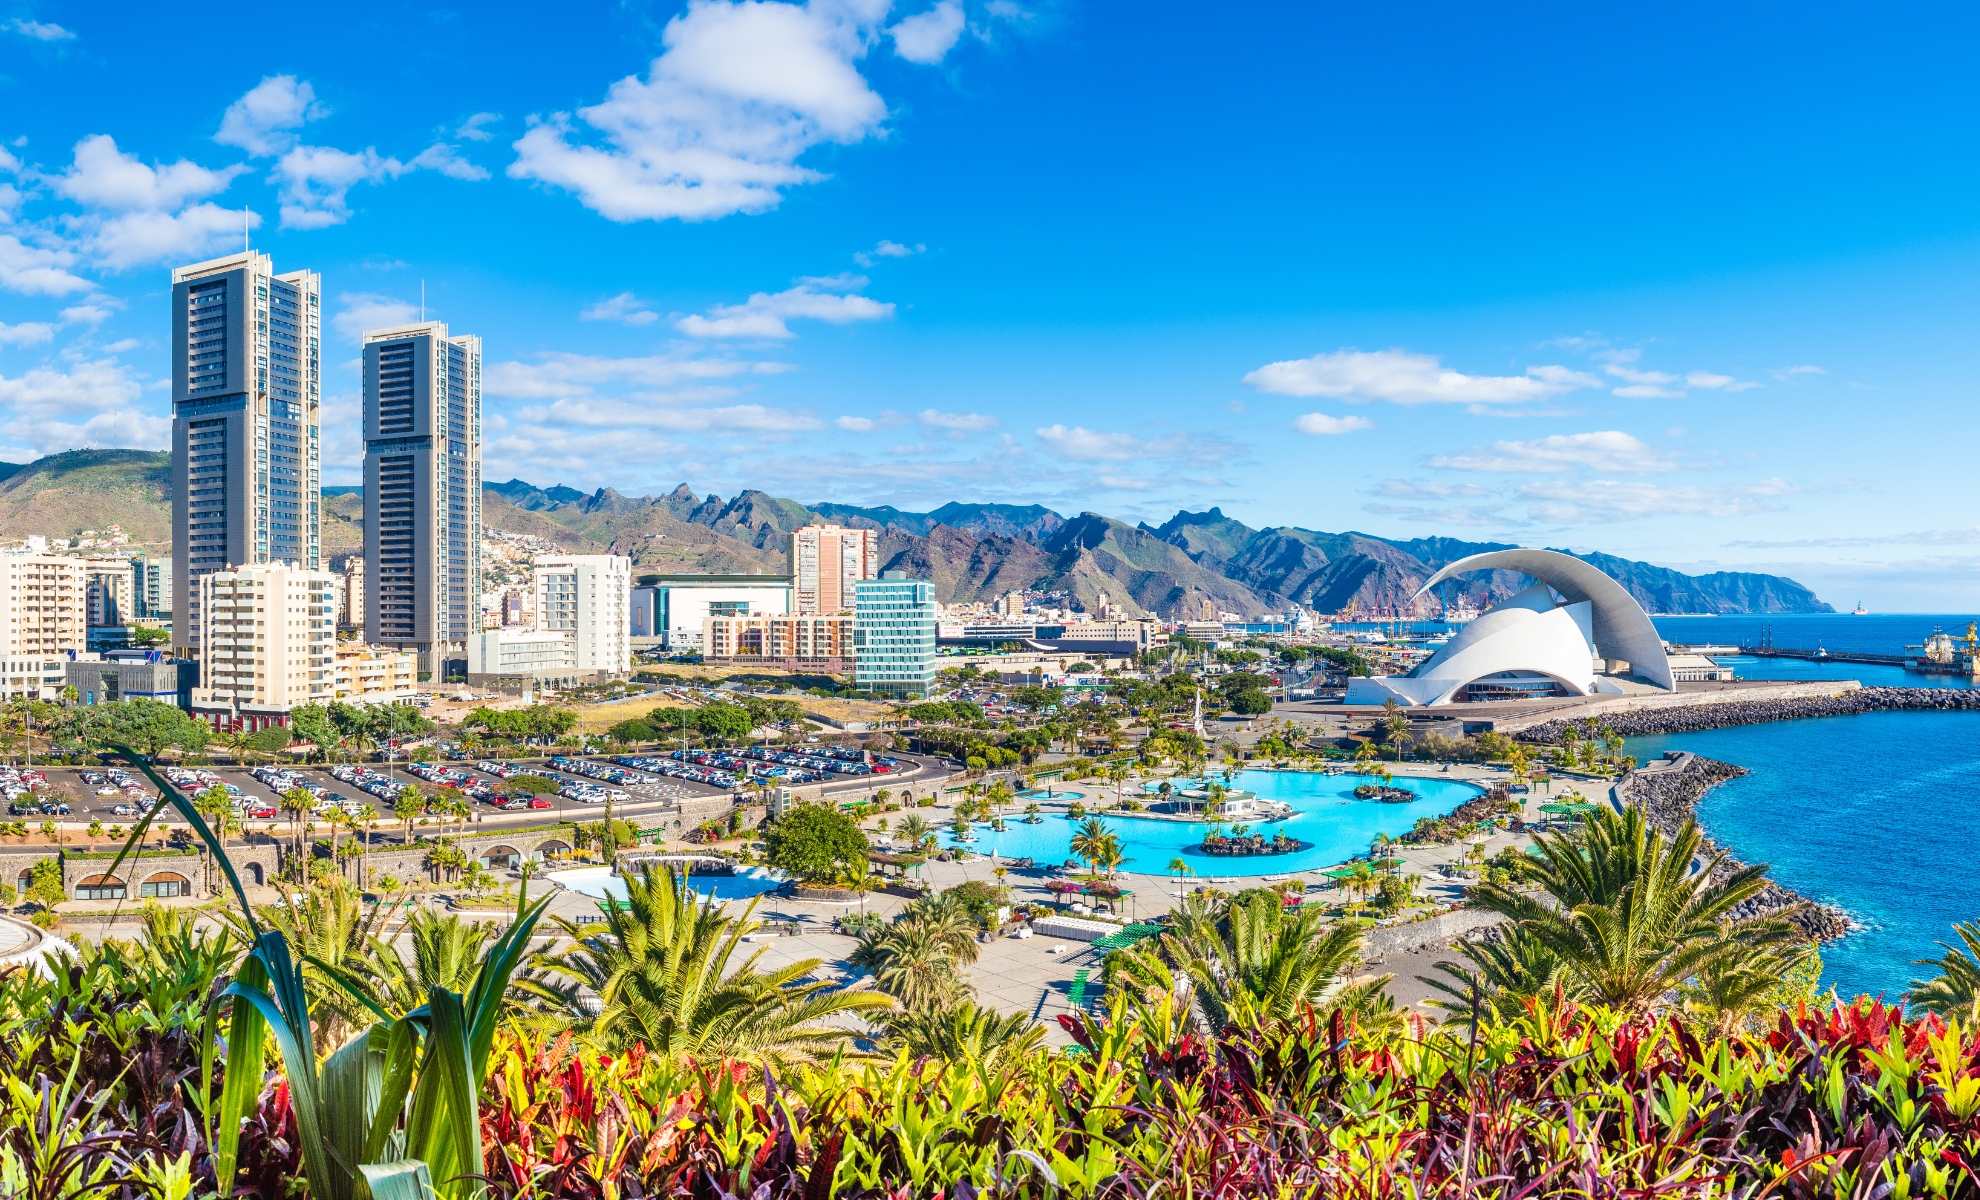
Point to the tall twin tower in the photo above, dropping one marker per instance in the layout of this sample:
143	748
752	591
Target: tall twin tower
246	452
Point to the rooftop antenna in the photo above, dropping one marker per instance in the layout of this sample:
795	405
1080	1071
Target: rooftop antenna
244	228
422	301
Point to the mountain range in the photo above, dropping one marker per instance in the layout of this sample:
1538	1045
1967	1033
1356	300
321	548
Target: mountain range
1192	565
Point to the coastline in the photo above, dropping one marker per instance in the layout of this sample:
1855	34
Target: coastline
1690	718
1668	794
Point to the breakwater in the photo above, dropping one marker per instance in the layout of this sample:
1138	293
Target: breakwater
1690	718
1668	793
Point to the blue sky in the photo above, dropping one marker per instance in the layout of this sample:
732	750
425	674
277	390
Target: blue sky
1690	285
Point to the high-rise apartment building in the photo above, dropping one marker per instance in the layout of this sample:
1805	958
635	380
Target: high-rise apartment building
894	636
351	614
269	643
153	580
590	596
245	393
422	491
827	562
110	594
45	600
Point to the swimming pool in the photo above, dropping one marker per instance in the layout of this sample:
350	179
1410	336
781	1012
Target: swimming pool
603	884
1335	824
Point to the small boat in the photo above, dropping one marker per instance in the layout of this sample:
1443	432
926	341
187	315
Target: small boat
1859	610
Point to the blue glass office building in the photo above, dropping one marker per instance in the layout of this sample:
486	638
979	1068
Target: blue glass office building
894	636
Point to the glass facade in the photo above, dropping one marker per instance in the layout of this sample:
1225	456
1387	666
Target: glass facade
894	636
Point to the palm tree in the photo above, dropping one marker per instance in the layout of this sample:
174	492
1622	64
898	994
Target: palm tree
1955	990
661	971
238	742
1087	842
1249	964
446	953
965	1033
1627	913
1504	976
1729	990
1179	868
329	927
1361	879
408	806
297	803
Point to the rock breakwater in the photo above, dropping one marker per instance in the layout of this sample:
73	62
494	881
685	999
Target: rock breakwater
1668	792
1690	718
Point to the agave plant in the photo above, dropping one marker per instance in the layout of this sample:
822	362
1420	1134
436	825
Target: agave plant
392	1108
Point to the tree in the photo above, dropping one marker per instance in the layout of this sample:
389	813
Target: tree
723	723
1955	990
1243	963
965	1033
1091	840
407	806
918	960
446	953
45	883
661	971
1628	914
297	803
816	843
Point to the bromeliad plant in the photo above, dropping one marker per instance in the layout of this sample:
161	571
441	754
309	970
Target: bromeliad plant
393	1110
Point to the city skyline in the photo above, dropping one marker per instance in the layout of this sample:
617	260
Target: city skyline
1709	319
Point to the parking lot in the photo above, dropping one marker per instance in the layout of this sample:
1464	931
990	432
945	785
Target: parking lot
643	785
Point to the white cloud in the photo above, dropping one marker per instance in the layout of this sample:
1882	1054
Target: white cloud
958	423
1411	489
1923	537
27	333
137	238
1124	483
1320	424
361	311
764	313
558	375
36	271
926	37
887	249
1610	451
316	179
1485	515
40	31
447	160
624	307
617	414
44	392
103	176
473	129
95	312
741	91
1404	378
1606	500
1795	374
265	120
1087	445
886	420
121	345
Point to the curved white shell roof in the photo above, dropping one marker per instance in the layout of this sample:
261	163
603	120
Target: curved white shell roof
1621	629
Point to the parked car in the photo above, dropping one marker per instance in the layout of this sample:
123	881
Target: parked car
539	802
123	810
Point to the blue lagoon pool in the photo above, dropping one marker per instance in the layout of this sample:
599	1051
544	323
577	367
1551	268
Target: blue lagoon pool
1335	825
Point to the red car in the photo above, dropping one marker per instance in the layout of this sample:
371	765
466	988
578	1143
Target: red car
539	802
265	812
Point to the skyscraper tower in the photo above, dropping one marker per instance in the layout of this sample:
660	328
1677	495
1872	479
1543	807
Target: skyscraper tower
422	491
245	389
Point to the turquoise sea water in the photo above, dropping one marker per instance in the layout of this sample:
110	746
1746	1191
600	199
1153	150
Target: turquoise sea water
1869	813
1329	817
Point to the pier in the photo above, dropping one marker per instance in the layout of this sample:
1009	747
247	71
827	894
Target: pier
1820	655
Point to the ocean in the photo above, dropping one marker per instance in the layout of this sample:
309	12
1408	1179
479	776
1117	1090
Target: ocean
1869	812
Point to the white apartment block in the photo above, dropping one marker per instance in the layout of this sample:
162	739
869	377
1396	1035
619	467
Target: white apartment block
269	640
780	636
827	563
523	653
375	674
33	678
351	613
588	597
113	593
46	598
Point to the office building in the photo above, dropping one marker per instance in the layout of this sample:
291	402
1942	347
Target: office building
46	600
589	597
374	674
677	607
827	563
820	643
894	636
245	394
34	678
545	656
132	674
1138	635
422	491
269	644
111	589
152	578
350	612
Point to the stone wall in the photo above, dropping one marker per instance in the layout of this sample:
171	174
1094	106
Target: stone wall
1692	716
1652	709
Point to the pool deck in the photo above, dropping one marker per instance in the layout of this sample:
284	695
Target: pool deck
1024	975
